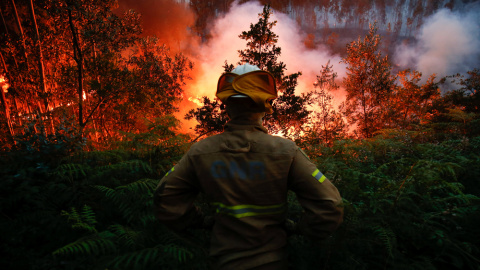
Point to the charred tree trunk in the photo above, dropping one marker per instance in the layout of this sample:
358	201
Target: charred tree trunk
3	21
7	33
22	38
40	57
19	25
78	57
6	109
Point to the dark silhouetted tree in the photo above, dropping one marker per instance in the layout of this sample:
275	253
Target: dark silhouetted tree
290	111
327	124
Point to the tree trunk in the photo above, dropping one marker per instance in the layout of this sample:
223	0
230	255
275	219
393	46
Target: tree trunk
40	57
5	105
3	21
78	57
19	25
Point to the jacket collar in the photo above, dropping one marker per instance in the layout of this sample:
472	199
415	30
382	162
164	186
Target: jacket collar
245	124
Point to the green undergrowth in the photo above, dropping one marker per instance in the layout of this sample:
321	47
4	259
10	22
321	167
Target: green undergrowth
409	204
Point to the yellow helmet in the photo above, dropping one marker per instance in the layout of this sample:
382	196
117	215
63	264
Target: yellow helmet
250	81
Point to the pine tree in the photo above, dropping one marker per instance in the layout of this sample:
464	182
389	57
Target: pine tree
290	111
328	124
262	50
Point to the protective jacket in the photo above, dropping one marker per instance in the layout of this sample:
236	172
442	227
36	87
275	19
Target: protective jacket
246	174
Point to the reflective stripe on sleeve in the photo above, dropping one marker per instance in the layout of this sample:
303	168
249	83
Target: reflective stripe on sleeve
171	170
319	176
248	210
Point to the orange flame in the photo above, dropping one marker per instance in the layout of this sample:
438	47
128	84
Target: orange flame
4	84
197	100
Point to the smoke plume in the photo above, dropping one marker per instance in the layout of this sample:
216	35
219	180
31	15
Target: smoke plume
448	42
170	21
225	43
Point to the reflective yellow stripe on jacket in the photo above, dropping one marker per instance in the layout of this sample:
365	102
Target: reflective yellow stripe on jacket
319	176
171	170
248	210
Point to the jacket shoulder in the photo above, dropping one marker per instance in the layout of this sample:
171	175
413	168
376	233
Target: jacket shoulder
207	145
274	144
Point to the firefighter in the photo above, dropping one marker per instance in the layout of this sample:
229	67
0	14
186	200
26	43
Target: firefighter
246	173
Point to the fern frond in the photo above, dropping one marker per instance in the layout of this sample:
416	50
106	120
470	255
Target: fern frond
99	244
82	221
149	258
141	187
71	171
110	193
179	253
387	236
127	236
129	165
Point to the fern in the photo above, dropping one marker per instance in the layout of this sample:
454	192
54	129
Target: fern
133	201
128	237
71	171
98	244
129	165
387	237
149	257
140	187
84	221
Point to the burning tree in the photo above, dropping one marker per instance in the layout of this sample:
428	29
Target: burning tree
368	83
97	68
410	101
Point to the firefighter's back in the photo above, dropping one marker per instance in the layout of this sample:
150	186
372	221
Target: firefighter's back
244	172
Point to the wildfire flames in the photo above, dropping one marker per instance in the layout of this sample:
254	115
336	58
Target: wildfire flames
197	100
4	84
300	51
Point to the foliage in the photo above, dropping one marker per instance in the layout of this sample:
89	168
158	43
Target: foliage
262	50
411	193
326	125
406	205
210	116
410	104
368	84
99	70
290	112
88	210
409	204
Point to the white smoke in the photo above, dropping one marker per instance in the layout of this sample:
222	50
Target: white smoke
448	43
298	58
225	43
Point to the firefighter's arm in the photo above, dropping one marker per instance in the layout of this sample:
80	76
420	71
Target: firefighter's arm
319	198
174	197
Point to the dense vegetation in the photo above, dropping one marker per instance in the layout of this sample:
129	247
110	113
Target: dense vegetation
411	202
77	174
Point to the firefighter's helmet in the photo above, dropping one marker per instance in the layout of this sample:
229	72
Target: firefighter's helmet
248	81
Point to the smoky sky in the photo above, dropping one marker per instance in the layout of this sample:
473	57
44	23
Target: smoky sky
447	43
